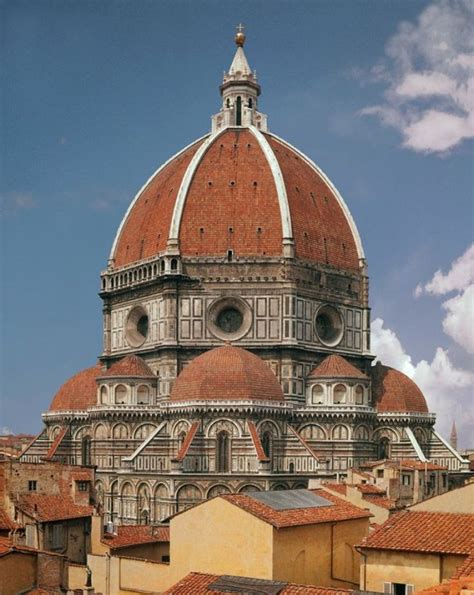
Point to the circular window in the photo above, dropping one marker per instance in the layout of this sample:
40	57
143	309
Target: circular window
229	318
136	328
329	325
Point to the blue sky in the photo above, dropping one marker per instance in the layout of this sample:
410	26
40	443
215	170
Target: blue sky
96	95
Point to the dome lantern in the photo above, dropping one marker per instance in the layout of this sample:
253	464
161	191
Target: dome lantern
239	91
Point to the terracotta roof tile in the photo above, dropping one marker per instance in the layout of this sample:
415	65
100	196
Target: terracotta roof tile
128	535
466	568
410	464
369	488
187	441
335	366
382	501
227	373
55	444
6	523
261	456
421	531
341	488
79	392
197	583
340	511
56	507
130	366
394	391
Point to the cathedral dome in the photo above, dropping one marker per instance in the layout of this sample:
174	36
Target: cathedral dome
227	373
239	191
335	366
394	391
79	392
131	366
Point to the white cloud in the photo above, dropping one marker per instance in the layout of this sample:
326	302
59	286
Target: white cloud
459	320
458	278
447	389
429	72
12	202
5	431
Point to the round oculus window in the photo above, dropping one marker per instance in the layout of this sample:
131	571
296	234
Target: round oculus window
136	328
229	318
329	325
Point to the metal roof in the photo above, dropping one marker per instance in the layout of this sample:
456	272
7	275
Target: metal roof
289	499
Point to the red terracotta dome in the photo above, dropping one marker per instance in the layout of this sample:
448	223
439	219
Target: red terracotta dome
394	391
227	373
79	392
129	366
243	190
335	366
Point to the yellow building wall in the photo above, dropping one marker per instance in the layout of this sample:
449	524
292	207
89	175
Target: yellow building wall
76	576
460	500
147	551
420	570
220	538
322	555
128	576
17	573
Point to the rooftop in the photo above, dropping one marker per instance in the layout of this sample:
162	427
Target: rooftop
337	510
419	531
56	507
131	365
197	583
129	535
335	366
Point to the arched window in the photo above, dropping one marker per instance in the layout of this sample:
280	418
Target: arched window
174	264
340	433
359	395
318	394
339	394
250	102
227	103
120	394
267	444
384	448
187	495
86	450
291	467
223	452
238	113
313	432
143	395
103	394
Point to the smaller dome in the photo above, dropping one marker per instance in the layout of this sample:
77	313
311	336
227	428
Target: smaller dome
79	392
227	373
336	366
394	391
129	366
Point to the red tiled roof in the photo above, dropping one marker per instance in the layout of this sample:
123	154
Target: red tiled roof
55	444
394	391
131	366
83	475
466	568
381	501
227	373
129	535
79	392
340	511
303	441
187	441
341	488
56	507
335	366
261	456
197	583
232	203
6	523
420	531
410	464
369	488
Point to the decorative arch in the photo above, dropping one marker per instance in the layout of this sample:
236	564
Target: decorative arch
120	431
362	432
81	432
223	452
86	458
217	490
121	394
268	425
143	503
299	486
127	489
143	394
100	432
103	394
249	487
279	487
385	432
340	393
54	432
161	502
143	431
180	426
317	394
313	432
225	425
359	394
188	495
114	500
128	500
340	432
420	435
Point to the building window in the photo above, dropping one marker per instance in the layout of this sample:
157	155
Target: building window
339	394
120	394
86	450
380	473
267	444
406	479
223	452
165	559
83	486
238	115
56	536
384	448
359	395
32	485
318	395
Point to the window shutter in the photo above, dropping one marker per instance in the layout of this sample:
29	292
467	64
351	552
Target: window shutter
387	588
409	589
